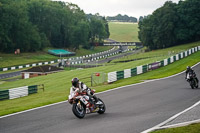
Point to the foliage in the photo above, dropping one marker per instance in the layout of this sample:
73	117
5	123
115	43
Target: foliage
122	18
16	30
171	25
32	25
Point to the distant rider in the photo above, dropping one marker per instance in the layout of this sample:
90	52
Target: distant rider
78	86
189	70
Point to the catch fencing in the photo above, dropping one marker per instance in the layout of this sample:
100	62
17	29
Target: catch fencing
117	75
96	78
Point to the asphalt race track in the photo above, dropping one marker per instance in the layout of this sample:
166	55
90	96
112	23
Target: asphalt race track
11	74
130	109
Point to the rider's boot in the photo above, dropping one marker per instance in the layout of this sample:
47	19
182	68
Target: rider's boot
94	108
95	99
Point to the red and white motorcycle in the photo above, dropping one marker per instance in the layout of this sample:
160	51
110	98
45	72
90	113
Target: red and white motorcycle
83	104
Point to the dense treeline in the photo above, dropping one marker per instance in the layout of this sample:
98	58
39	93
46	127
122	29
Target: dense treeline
32	25
172	24
122	18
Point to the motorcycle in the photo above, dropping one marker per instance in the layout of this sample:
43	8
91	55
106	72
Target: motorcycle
191	78
83	104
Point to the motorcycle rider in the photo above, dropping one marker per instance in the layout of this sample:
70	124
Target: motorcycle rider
189	70
78	86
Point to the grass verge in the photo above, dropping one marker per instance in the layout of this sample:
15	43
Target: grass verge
157	55
193	128
57	85
7	60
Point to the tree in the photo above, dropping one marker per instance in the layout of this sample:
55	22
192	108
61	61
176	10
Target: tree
34	24
188	24
158	30
172	24
122	18
17	31
141	18
97	30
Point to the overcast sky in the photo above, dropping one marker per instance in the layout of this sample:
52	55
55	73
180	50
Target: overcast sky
134	8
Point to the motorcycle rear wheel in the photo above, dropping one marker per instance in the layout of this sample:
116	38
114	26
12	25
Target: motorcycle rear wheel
196	83
78	112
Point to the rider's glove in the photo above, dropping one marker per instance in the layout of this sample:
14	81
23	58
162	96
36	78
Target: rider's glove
70	101
91	93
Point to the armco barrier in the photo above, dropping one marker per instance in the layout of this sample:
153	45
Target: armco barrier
18	92
58	60
28	65
162	63
112	76
4	94
117	75
144	68
139	70
133	71
120	75
127	73
32	89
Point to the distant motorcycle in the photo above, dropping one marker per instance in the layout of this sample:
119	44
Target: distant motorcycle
192	79
83	104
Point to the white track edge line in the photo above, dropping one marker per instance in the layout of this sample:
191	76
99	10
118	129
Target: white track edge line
170	119
179	124
175	116
32	109
96	93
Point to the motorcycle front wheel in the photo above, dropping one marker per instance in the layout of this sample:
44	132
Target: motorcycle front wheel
102	108
79	110
192	84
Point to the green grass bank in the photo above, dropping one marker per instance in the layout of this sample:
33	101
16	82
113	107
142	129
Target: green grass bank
193	128
57	85
7	60
123	32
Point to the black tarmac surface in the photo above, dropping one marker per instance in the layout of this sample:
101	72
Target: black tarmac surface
130	109
9	75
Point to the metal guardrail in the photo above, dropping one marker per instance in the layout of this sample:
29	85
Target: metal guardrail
117	75
75	60
20	91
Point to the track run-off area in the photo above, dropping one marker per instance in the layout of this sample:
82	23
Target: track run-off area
130	109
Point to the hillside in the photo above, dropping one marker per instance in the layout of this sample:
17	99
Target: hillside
123	31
